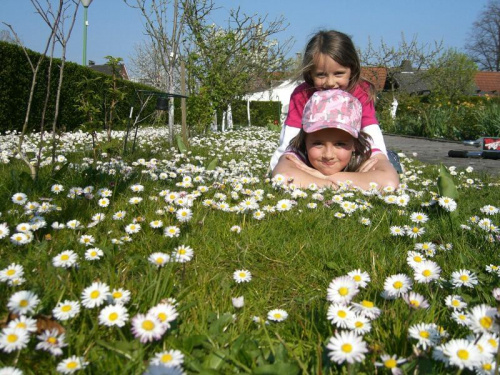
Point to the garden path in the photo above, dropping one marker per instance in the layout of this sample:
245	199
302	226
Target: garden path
436	151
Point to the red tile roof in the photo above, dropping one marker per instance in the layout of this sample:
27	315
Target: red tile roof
376	75
488	81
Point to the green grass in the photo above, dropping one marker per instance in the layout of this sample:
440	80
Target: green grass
292	256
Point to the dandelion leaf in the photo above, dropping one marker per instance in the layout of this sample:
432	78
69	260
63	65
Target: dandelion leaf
219	326
445	184
180	144
212	165
214	360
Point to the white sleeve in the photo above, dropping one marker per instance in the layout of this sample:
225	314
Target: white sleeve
377	137
287	133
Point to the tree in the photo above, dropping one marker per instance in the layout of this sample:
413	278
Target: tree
164	22
452	75
114	93
483	44
225	62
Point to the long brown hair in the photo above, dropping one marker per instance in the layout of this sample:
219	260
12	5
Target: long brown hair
362	149
339	47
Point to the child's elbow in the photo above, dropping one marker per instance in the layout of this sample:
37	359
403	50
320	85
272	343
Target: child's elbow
392	181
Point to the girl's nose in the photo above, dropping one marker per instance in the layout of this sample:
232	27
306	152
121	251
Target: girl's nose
328	153
331	83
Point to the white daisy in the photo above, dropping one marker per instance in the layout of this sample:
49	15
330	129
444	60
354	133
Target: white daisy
19	198
461	353
426	334
184	214
366	308
416	301
95	295
346	347
168	358
120	296
277	315
482	318
12	339
66	259
419	217
66	310
172	231
159	259
242	276
165	312
342	290
397	285
426	271
23	302
12	272
340	315
455	302
361	278
397	231
120	215
463	278
4	230
147	328
113	315
447	203
359	324
391	362
51	341
133	228
94	253
71	365
182	254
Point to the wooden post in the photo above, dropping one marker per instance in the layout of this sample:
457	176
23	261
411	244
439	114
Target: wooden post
183	104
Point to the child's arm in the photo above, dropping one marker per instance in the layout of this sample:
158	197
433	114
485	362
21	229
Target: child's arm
290	167
287	133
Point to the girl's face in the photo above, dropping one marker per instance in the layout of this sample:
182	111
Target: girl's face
328	74
329	150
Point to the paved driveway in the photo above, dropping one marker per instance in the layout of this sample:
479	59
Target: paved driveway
435	152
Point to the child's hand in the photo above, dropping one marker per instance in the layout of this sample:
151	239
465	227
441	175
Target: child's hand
368	165
313	172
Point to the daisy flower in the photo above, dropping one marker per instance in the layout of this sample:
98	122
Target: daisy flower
66	310
463	278
489	210
165	312
71	365
277	315
133	228
23	302
147	328
182	254
346	347
359	324
426	334
119	296
137	188
284	205
455	302
414	232
19	239
10	371
94	254
426	271
340	315
74	224
172	231
159	259
103	202
120	215
51	341
258	215
135	200
416	301
23	227
342	290
461	353
419	217
482	319
414	258
365	221
447	203
397	231
87	240
168	358
156	224
113	315
235	228
95	295
184	215
12	272
23	322
238	302
242	276
397	285
4	230
391	362
66	259
19	198
361	278
366	308
460	318
12	339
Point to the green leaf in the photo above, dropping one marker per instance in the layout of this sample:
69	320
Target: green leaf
214	360
279	368
212	165
123	348
217	327
446	186
180	144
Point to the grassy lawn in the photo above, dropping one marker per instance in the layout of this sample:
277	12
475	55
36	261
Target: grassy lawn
136	260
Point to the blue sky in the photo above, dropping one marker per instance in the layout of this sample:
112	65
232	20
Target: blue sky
114	28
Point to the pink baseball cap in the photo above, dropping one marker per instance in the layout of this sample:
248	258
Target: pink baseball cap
332	109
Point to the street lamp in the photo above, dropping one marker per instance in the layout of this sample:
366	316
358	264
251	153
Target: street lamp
86	4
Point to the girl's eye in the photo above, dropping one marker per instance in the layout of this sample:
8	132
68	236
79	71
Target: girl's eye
340	144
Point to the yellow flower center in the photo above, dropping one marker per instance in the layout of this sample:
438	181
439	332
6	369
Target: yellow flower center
93	253
95	294
162	316
52	340
463	354
415	230
117	294
10	272
182	252
148	325
343	291
21	325
424	334
492	342
165	358
464	277
72	365
242	274
113	316
159	260
347	348
12	338
398	285
23	303
342	314
426	273
417	259
357	278
358	324
66	308
64	257
368	304
487	367
415	303
455	303
486	322
390	363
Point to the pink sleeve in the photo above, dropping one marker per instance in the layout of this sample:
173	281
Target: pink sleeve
298	101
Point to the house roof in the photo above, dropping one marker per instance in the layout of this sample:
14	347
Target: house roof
106	69
376	75
488	82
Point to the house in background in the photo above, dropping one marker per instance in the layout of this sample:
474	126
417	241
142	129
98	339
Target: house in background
106	69
488	83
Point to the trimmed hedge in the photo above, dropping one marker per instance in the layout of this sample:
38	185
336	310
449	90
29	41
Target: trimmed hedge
15	84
